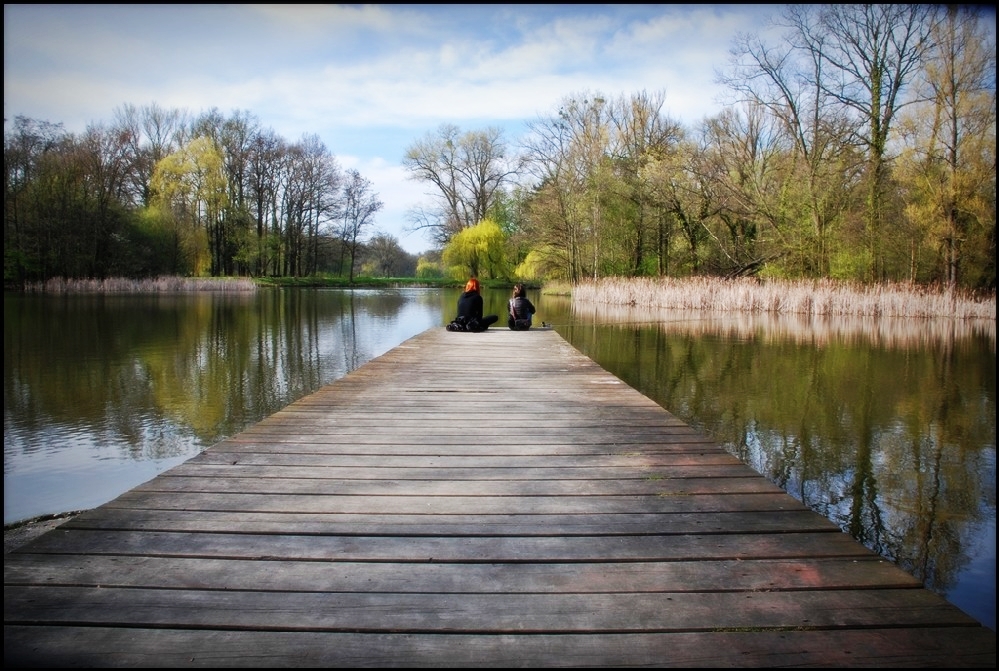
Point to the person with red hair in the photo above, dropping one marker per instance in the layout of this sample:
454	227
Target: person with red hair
470	317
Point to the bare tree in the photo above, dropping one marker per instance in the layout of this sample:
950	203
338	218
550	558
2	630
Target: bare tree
467	173
817	133
314	199
359	206
388	259
151	133
265	160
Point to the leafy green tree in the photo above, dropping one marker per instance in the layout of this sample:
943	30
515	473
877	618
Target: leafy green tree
681	190
477	251
949	169
564	153
152	246
867	56
25	149
429	268
533	267
383	257
642	132
190	185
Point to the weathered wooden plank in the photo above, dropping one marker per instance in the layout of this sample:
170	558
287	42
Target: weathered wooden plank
476	613
466	446
537	462
474	438
228	473
608	524
443	549
80	647
647	486
167	572
437	505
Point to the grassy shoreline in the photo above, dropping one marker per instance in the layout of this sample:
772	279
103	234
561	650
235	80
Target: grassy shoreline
171	284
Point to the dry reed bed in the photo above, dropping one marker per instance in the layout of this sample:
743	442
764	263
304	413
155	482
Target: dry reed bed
824	298
118	285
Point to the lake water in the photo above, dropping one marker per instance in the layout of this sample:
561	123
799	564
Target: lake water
888	429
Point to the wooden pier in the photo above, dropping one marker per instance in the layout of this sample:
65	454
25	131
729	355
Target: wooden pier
469	500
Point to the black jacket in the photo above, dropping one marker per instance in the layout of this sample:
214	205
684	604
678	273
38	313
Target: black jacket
470	305
523	308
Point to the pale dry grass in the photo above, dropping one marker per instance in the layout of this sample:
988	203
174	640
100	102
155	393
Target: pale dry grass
815	312
820	298
120	285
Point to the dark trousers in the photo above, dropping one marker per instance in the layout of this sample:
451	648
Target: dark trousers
485	322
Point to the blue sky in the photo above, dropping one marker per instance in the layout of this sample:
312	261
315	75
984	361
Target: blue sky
369	80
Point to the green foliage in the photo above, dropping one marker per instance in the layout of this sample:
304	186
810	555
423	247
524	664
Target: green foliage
331	281
532	267
18	266
851	265
191	185
249	250
426	269
477	252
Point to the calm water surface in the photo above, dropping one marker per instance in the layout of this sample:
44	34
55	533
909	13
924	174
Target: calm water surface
887	429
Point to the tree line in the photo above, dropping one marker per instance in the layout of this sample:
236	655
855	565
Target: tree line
859	144
156	192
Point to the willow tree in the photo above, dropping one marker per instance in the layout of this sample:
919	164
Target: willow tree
190	185
477	251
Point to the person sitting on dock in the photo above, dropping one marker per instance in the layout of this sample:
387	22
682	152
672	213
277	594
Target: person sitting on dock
470	317
521	310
